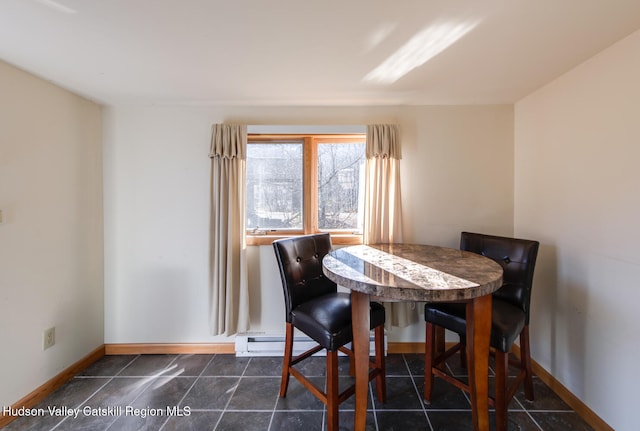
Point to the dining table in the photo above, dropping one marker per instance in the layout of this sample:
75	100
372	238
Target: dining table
419	273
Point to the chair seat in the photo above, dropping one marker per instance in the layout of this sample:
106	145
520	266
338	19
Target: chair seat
327	319
507	321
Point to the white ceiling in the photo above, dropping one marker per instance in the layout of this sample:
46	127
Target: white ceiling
303	52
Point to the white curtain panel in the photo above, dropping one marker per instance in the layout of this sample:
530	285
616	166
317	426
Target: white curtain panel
383	207
229	301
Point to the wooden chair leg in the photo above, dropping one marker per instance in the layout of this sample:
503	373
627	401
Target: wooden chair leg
332	391
288	353
501	401
525	361
381	379
429	351
440	345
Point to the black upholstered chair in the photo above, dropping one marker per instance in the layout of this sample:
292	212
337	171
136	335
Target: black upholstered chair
314	306
510	320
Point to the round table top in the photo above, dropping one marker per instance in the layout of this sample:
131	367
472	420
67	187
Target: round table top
413	272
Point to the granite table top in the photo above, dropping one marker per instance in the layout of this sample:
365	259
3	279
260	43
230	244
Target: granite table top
413	272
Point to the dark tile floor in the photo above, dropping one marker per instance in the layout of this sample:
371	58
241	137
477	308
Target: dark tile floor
222	392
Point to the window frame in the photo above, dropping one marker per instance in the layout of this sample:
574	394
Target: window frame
310	144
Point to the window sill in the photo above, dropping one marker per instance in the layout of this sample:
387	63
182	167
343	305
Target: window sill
336	239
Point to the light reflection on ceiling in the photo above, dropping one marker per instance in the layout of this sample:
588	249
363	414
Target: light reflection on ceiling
57	6
422	47
379	35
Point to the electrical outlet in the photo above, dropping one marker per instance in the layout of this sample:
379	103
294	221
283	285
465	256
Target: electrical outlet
49	338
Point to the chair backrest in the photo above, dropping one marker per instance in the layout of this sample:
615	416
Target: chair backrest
300	262
518	260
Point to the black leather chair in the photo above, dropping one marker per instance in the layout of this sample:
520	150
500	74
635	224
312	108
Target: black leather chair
510	320
315	307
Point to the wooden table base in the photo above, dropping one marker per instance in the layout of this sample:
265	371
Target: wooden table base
360	324
478	335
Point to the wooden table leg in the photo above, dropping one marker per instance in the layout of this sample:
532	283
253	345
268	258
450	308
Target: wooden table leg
360	323
478	335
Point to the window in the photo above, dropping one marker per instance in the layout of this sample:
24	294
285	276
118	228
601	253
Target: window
299	184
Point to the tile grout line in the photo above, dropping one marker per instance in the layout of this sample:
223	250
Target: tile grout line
233	393
528	414
83	402
189	390
515	398
273	412
109	379
150	379
464	393
415	387
373	404
534	421
128	365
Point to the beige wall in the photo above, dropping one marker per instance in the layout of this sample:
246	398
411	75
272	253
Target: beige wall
457	173
570	181
577	150
51	244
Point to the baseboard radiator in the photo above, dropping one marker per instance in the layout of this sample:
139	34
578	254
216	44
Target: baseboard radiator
273	345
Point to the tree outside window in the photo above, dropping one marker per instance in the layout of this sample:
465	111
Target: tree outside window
305	184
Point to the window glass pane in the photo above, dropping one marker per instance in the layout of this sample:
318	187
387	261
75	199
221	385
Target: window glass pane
274	186
341	186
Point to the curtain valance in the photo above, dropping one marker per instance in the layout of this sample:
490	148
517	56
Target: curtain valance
383	141
228	141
